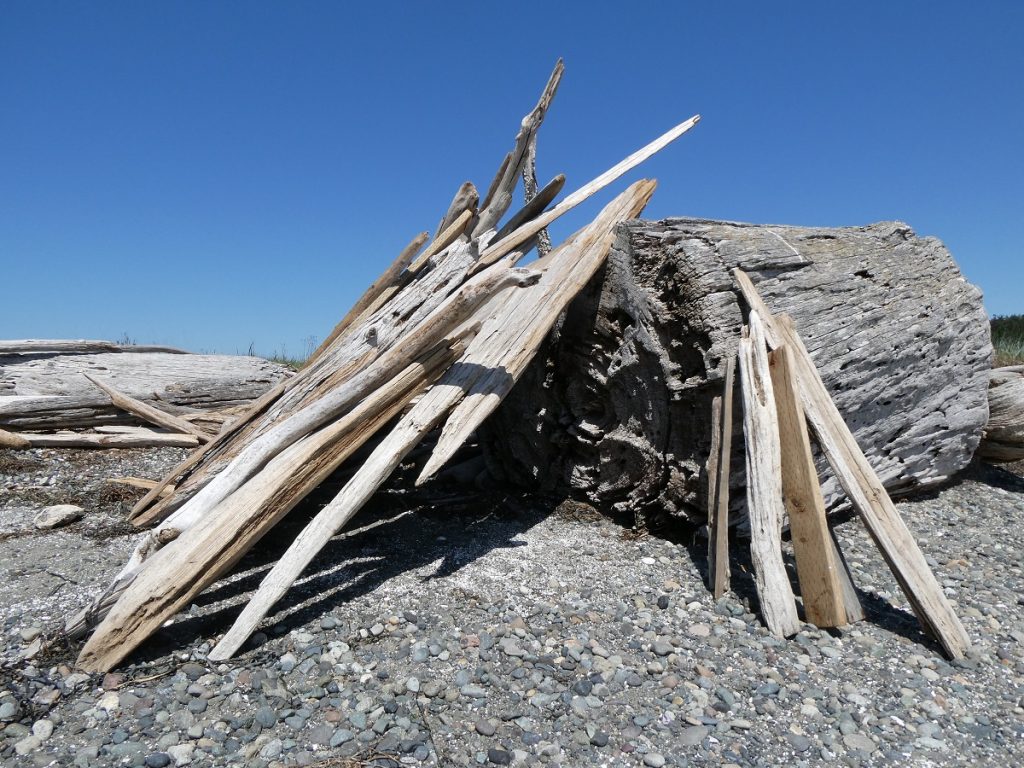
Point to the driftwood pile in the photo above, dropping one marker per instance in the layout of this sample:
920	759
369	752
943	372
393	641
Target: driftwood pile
781	393
97	394
439	339
434	346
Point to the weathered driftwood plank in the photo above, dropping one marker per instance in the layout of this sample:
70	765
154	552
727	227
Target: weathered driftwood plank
13	440
714	456
50	391
148	413
720	533
862	485
764	484
196	557
141	439
75	347
506	342
623	391
817	564
1004	433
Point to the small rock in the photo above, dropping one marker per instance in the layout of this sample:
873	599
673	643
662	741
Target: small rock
30	633
499	756
485	727
56	516
693	735
42	729
158	760
599	739
181	753
663	647
654	760
859	741
27	744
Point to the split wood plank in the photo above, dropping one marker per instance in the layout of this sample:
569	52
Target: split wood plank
443	240
865	491
711	470
764	484
817	565
465	199
197	557
541	304
139	482
527	231
148	413
509	339
721	533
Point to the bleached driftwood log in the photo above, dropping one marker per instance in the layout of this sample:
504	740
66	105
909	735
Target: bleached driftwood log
47	390
618	410
1004	433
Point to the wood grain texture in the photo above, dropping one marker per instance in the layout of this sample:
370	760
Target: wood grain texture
714	456
764	484
148	413
1004	434
864	488
720	535
623	391
816	564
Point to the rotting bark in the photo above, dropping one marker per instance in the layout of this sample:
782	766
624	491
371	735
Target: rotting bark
617	412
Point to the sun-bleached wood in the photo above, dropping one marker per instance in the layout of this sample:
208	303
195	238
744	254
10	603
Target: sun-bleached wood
443	240
197	557
720	570
76	347
711	469
566	270
138	482
509	339
148	413
13	440
141	439
527	231
862	486
465	199
817	566
1004	433
764	484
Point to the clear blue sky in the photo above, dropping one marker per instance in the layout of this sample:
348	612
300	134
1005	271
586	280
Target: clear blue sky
219	174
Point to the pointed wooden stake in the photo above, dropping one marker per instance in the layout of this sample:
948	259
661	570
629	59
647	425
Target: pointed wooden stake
719	535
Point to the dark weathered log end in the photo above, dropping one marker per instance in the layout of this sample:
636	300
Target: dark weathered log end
617	411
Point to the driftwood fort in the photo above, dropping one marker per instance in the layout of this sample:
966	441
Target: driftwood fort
742	377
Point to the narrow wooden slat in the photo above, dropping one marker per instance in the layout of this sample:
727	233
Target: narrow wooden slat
87	440
711	470
148	413
527	231
443	240
816	564
764	485
720	584
864	489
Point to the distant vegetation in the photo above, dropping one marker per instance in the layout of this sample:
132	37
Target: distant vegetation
1008	339
295	362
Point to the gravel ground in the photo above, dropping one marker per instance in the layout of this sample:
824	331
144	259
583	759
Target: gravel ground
490	630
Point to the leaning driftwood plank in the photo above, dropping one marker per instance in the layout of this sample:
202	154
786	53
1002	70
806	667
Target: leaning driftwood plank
864	489
721	571
85	440
200	555
148	412
711	469
139	482
527	231
443	240
816	564
509	339
465	199
764	484
533	208
388	279
505	340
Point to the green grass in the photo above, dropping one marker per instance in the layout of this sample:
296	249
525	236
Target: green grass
1008	339
295	362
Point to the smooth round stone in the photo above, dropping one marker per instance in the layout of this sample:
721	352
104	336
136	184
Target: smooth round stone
499	756
485	727
158	760
599	739
654	760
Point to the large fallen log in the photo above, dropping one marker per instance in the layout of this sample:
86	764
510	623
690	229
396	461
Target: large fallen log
618	409
1004	434
46	388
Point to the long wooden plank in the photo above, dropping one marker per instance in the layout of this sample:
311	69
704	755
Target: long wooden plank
87	440
816	565
527	231
764	485
862	486
147	412
711	470
720	584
